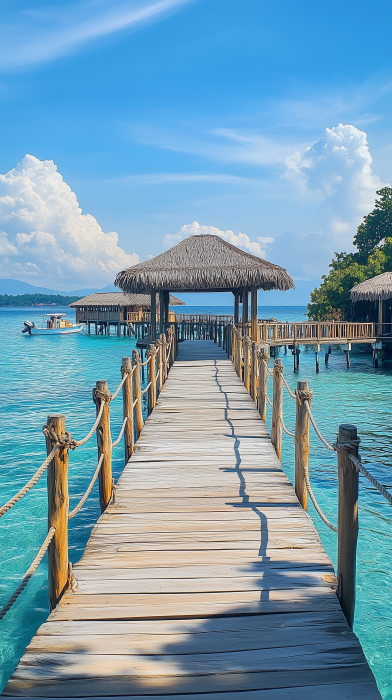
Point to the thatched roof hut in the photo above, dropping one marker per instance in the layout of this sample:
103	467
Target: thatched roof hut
119	299
377	288
204	263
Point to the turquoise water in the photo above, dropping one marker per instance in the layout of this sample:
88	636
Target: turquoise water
42	375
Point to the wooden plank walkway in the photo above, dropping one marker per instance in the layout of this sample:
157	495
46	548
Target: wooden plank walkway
206	579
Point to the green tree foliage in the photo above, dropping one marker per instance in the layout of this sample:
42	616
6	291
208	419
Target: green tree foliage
36	299
331	301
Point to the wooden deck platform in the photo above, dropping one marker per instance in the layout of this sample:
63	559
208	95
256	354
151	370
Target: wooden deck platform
205	579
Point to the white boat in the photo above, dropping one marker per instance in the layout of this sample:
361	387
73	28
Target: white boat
56	324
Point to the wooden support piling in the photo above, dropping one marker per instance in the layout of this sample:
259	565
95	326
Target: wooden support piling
302	442
137	392
347	520
246	347
151	377
253	372
104	444
277	408
127	408
58	508
262	358
158	344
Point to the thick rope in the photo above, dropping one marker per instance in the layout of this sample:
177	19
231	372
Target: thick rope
7	506
77	443
316	505
143	364
113	396
292	393
135	402
269	400
146	389
157	374
30	571
323	440
86	495
359	466
287	431
114	444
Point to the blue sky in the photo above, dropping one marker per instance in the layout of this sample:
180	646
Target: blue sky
159	115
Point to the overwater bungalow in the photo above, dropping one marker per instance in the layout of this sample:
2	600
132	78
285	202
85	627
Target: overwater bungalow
118	309
377	290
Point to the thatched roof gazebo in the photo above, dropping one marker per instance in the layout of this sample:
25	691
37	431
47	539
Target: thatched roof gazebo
377	288
205	263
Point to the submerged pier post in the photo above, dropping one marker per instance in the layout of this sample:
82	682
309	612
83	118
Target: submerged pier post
58	508
347	519
277	408
104	444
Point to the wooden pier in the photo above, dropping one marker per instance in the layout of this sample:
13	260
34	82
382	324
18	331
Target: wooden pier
205	579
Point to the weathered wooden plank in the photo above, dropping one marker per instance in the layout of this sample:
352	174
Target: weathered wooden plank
205	579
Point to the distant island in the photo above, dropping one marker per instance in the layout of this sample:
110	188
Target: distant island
36	300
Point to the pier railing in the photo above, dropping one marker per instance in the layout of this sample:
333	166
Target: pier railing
251	360
59	442
316	331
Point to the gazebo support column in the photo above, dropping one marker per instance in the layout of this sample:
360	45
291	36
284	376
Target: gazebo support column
236	308
161	311
380	319
253	315
153	316
245	308
166	306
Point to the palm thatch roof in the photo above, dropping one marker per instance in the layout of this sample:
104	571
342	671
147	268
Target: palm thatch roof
121	299
204	263
377	288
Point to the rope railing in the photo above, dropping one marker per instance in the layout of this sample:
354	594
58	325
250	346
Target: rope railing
325	442
84	498
377	484
30	571
26	488
116	442
253	370
60	442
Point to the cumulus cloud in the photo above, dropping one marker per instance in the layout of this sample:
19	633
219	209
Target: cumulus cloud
337	186
44	236
241	240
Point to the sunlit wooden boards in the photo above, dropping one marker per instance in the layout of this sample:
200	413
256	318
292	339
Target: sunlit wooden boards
205	580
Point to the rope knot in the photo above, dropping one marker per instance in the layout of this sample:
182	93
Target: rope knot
246	340
303	395
263	355
103	395
278	369
65	441
351	445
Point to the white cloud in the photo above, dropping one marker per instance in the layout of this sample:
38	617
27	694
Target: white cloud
41	34
241	240
45	238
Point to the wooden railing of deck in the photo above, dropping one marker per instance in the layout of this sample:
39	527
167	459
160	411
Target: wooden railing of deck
285	333
59	442
250	361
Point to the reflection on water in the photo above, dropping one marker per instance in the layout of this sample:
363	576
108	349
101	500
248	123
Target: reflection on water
40	375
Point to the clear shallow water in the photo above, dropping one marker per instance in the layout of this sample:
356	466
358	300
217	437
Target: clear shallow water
42	375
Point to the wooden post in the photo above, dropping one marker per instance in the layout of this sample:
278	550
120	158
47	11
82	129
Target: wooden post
236	308
262	358
153	315
166	299
238	353
277	408
151	377
164	361
161	311
58	508
253	314
104	444
253	373
158	344
246	346
245	311
137	389
173	344
127	408
302	442
347	521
